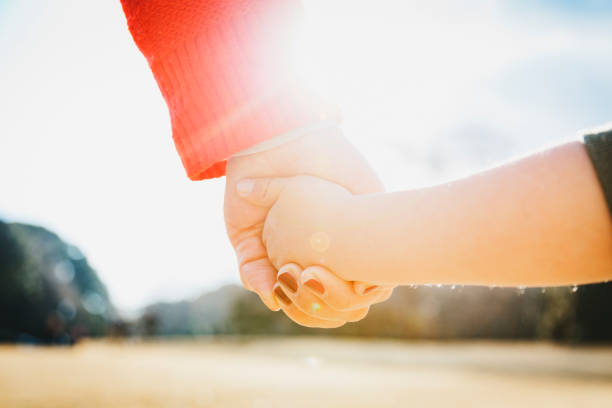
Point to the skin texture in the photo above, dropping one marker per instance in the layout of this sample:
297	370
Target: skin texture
325	154
538	221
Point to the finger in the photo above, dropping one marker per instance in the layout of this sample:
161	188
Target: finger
384	294
259	276
256	271
301	318
261	191
336	292
309	303
361	288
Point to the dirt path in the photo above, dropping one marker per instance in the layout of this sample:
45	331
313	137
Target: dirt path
305	373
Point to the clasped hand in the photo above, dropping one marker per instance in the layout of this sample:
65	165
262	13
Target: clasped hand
286	271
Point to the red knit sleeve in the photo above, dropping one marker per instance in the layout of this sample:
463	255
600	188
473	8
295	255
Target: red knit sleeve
224	69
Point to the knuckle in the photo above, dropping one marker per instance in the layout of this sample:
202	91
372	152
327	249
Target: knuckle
265	235
265	190
261	188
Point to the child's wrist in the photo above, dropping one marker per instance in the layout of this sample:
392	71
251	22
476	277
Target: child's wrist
341	223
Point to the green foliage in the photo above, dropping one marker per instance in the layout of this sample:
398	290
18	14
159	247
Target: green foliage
421	313
48	291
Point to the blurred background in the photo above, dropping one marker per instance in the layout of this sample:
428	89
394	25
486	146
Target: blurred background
102	234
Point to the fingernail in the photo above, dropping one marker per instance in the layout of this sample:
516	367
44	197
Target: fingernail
278	292
315	285
271	301
244	187
288	280
370	288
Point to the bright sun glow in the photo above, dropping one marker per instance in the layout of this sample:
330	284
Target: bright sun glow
397	60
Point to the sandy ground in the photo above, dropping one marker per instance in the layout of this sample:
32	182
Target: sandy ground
302	372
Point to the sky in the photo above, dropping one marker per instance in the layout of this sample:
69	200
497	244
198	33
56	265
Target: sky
430	91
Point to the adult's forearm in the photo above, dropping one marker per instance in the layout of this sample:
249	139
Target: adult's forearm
537	221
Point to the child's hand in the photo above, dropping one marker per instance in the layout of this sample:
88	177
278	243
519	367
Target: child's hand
303	218
303	224
325	154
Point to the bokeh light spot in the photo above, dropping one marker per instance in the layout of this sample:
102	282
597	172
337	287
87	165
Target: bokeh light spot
319	241
94	303
64	271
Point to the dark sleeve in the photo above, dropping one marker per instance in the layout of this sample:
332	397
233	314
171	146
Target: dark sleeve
599	147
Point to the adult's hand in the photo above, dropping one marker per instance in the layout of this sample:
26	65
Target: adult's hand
318	298
325	154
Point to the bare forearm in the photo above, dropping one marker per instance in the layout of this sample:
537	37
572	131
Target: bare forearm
541	220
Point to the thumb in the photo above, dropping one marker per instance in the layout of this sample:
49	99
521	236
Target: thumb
261	191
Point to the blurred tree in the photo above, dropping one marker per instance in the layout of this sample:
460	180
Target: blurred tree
594	313
48	291
421	313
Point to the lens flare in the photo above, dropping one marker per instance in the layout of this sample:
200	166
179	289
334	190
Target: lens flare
319	241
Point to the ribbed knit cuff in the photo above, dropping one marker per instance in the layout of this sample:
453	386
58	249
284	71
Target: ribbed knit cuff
211	121
225	70
599	147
